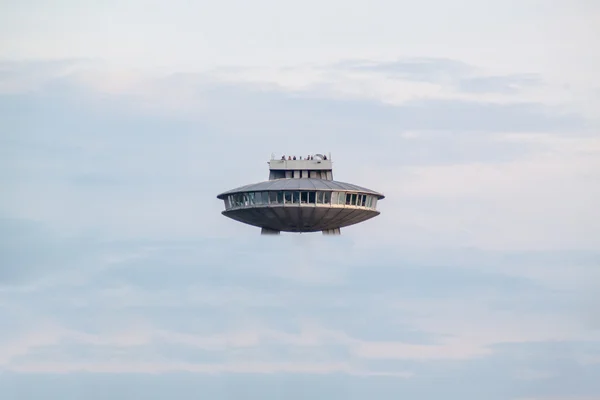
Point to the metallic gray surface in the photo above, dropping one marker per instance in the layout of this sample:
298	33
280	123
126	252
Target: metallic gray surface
301	218
301	184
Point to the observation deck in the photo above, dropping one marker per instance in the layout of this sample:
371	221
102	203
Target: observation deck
316	167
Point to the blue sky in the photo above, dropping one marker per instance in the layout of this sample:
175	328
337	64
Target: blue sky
121	121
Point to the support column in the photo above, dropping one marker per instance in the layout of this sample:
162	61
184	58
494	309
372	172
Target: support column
334	231
267	231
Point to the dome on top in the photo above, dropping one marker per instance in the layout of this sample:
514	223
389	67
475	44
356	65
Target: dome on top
300	184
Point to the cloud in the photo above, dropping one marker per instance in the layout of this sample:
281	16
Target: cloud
420	69
120	279
473	270
73	144
195	307
454	74
500	84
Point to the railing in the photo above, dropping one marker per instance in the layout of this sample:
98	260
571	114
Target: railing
315	157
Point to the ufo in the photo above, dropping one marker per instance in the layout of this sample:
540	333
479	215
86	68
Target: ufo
301	196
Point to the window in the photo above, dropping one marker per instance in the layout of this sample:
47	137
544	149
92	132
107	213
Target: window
265	197
277	174
363	200
369	198
311	197
280	197
326	197
348	199
320	197
341	198
374	204
258	197
304	197
250	198
353	199
296	197
272	197
334	197
287	197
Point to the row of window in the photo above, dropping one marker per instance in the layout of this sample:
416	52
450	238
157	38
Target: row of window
297	197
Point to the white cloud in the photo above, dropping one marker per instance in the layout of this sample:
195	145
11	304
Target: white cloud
554	164
544	199
461	330
133	138
166	367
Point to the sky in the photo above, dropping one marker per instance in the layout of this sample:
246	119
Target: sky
120	122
